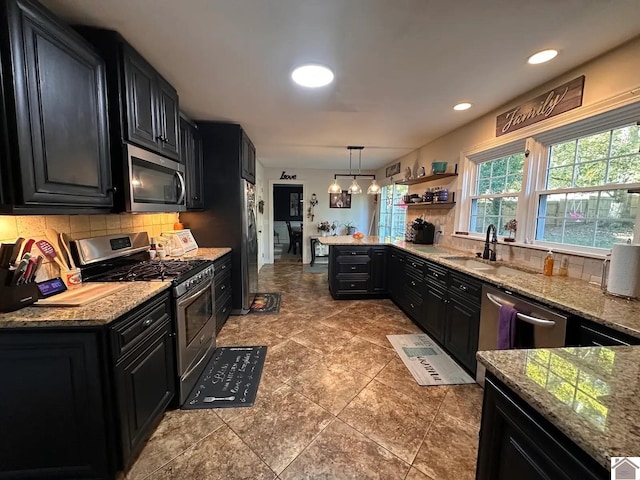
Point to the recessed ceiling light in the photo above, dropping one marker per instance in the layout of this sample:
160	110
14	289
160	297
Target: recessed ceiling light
312	76
543	56
462	106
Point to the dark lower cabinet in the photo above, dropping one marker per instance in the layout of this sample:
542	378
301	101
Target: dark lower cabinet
516	442
145	384
52	406
78	403
223	287
357	272
435	311
54	122
585	333
462	326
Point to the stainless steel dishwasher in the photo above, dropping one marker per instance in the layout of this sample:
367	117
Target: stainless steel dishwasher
549	326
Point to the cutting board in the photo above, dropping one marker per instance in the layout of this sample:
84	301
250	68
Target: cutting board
87	293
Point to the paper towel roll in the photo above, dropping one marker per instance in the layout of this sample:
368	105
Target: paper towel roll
624	271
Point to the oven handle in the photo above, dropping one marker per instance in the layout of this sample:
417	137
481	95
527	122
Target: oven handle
183	188
525	318
186	301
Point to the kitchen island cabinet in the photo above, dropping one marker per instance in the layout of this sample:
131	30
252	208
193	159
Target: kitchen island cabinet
357	272
54	139
79	402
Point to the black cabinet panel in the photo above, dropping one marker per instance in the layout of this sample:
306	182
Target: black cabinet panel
378	269
435	312
141	100
52	407
57	125
191	156
168	118
585	333
145	380
462	324
516	442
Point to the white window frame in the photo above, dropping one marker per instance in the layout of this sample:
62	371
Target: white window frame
537	139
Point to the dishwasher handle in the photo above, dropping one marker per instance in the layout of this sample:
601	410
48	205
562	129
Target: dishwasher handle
525	318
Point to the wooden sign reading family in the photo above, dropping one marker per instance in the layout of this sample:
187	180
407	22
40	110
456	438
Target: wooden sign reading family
559	100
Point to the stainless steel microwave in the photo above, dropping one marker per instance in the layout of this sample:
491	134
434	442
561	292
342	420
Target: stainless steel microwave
154	183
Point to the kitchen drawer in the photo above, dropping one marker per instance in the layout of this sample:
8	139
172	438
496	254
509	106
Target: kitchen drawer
465	286
355	285
436	273
415	285
128	332
223	309
414	266
222	264
353	267
222	285
351	251
413	305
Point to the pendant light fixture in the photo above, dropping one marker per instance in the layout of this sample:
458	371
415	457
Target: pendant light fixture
354	188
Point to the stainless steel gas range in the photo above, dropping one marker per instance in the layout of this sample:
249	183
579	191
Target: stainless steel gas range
125	258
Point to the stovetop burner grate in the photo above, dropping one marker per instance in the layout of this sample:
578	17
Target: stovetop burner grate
149	270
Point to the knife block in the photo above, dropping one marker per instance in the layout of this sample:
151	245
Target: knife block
15	297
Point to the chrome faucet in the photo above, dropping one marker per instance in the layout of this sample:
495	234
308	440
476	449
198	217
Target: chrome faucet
490	253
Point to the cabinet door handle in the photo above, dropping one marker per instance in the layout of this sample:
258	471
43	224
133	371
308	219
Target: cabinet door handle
196	197
222	287
223	267
224	310
147	322
412	306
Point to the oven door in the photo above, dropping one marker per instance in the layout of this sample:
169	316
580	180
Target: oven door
156	184
196	328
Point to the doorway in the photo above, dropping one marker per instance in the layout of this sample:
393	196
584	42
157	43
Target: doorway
288	219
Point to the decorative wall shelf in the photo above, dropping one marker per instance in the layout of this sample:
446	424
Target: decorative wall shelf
438	205
428	178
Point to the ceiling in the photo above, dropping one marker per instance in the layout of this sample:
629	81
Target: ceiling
400	65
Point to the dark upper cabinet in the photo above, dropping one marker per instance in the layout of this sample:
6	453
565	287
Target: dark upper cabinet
143	106
191	156
54	127
248	159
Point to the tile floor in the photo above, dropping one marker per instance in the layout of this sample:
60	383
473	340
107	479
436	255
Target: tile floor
335	401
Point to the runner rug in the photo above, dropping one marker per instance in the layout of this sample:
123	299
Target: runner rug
266	303
427	362
230	379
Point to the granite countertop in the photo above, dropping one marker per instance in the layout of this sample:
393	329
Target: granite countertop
207	253
591	394
100	312
568	294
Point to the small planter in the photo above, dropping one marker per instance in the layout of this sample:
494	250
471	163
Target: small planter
351	230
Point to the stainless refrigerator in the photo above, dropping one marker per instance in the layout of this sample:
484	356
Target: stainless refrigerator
229	215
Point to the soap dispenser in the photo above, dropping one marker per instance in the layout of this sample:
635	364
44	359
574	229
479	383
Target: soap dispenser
548	264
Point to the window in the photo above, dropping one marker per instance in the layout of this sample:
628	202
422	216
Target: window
497	188
584	199
392	216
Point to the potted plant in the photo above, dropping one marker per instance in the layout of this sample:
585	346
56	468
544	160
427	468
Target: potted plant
512	227
324	227
350	228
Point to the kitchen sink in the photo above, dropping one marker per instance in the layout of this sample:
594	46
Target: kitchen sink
494	268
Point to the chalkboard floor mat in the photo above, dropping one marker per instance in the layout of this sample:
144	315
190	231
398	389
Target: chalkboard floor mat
266	303
230	379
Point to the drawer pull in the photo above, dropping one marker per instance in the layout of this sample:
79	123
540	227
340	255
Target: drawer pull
412	306
353	253
436	275
413	284
353	268
352	285
413	264
147	322
462	287
223	267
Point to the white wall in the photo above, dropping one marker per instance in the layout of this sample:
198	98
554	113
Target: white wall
317	181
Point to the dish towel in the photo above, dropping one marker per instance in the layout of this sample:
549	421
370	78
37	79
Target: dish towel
507	319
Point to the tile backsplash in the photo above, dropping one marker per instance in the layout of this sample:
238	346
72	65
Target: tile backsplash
82	226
